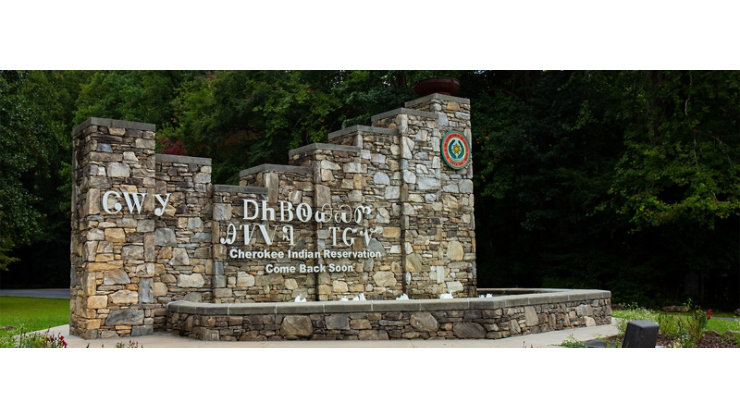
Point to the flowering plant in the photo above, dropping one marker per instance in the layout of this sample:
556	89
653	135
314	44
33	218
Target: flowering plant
130	344
40	340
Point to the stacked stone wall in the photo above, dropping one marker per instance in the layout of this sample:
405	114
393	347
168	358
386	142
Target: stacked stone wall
112	255
182	235
424	319
126	267
246	280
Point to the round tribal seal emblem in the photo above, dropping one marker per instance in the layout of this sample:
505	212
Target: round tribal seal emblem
455	149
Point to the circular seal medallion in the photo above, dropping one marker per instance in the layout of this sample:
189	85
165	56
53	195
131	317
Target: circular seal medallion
455	149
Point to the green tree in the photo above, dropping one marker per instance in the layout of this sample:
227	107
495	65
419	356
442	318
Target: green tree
243	118
34	138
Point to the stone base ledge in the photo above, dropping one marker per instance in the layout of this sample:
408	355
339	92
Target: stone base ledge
467	318
546	296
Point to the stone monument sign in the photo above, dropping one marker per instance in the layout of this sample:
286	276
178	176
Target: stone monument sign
377	212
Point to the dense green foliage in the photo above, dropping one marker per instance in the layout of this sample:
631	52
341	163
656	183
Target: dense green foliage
626	181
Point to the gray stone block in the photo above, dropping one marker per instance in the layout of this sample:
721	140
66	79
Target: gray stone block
424	321
640	334
348	306
296	326
436	96
180	159
460	304
144	330
363	129
303	308
164	237
323	147
467	330
251	308
402	110
99	121
146	295
337	322
276	168
250	189
128	316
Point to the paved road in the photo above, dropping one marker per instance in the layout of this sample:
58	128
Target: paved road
166	340
38	293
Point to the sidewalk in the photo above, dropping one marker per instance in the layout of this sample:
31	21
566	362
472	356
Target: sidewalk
166	340
37	293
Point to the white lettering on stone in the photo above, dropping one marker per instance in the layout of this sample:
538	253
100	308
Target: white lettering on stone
247	203
286	207
230	235
268	213
303	212
160	211
344	236
288	234
133	201
321	216
117	206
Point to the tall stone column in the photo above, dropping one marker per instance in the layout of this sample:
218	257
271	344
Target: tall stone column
112	251
437	224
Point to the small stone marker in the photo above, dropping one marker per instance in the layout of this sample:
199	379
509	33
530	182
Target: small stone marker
641	334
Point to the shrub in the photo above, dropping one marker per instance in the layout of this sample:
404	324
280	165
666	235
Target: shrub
34	340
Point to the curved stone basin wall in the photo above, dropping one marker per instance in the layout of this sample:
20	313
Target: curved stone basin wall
464	318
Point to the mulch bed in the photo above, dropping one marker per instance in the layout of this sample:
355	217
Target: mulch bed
710	339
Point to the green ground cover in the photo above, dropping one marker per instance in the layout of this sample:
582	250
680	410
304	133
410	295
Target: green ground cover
690	329
719	326
30	314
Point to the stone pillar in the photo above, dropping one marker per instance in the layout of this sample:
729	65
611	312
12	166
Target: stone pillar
112	254
437	224
456	226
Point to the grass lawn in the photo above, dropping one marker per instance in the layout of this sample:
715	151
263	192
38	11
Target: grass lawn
32	313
